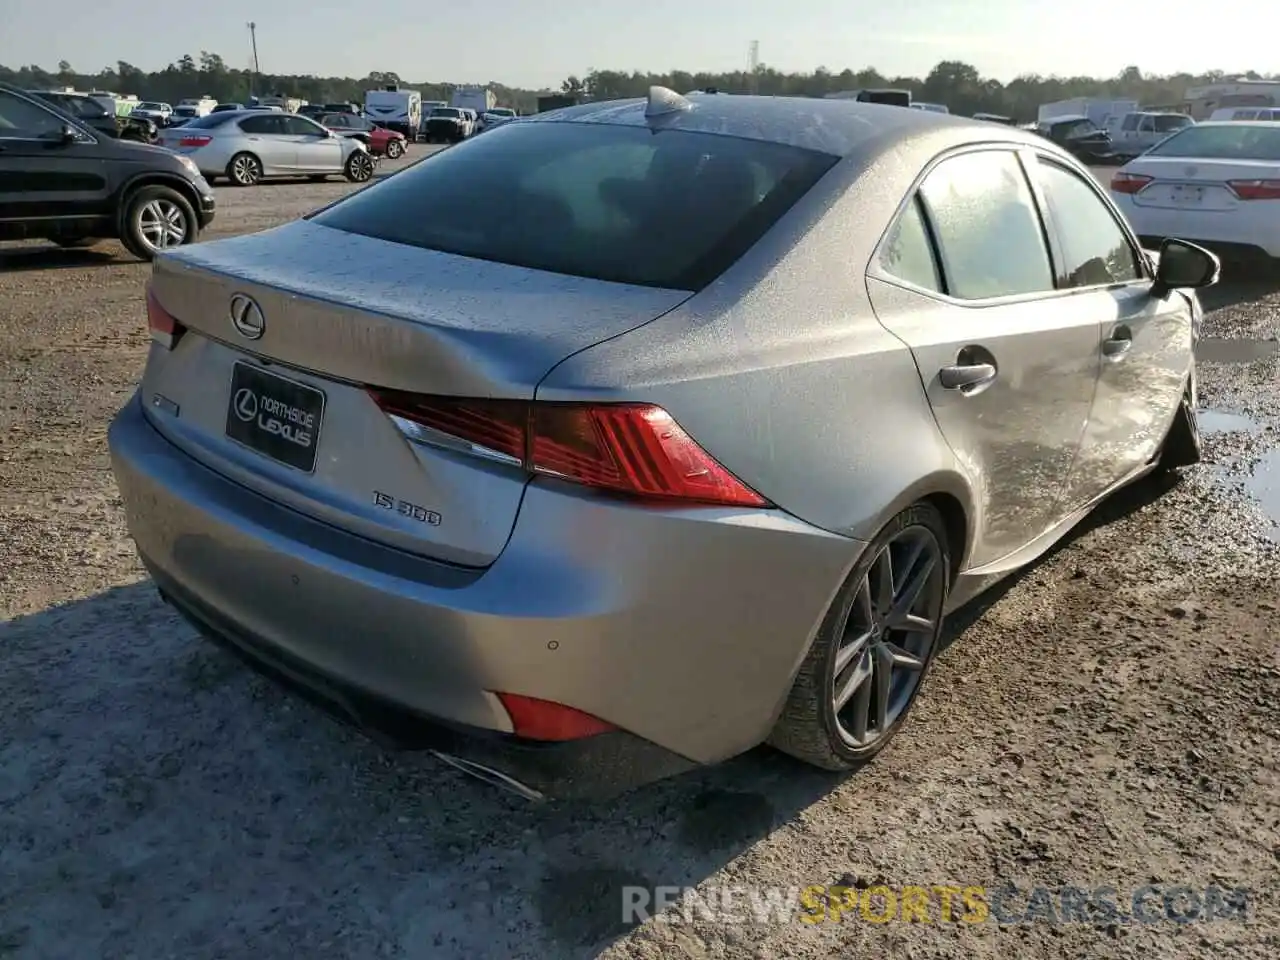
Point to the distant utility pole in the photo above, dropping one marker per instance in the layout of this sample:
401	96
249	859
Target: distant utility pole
253	39
753	64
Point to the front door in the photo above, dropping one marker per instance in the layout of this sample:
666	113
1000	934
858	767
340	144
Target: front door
319	151
1008	363
42	176
1146	342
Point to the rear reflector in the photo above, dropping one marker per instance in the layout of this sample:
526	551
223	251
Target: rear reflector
195	140
1255	189
633	449
1129	182
543	720
164	329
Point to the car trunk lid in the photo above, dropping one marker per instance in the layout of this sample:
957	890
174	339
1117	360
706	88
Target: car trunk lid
284	331
1188	183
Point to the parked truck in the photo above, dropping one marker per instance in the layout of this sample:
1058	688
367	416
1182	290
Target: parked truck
1099	110
286	104
895	98
202	106
479	99
556	101
395	108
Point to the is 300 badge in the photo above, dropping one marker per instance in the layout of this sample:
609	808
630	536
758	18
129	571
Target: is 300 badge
406	509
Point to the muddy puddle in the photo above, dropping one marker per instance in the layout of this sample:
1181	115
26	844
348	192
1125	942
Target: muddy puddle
1262	482
1226	350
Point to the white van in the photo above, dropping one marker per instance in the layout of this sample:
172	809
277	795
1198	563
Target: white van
1246	113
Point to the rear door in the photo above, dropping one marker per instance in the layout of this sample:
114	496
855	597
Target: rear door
1009	364
1146	342
43	178
270	139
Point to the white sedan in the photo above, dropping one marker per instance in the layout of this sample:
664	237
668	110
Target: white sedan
1214	183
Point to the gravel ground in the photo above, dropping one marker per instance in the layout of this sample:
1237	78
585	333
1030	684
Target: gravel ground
1110	717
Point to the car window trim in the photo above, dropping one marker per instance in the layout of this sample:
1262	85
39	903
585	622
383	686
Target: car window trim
875	267
1135	248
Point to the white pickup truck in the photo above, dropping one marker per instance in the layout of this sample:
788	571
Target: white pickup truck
1133	134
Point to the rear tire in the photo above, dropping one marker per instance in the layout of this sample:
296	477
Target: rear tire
864	670
1182	446
244	170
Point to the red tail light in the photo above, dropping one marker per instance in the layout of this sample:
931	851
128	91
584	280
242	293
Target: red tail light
633	449
164	329
195	140
1255	189
1129	182
544	720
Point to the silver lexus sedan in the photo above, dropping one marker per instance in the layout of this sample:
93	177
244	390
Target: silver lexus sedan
636	434
248	146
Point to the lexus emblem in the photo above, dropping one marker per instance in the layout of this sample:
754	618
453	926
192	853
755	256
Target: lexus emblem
246	317
246	404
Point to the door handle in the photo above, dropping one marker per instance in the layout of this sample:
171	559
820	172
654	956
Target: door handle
1119	343
966	377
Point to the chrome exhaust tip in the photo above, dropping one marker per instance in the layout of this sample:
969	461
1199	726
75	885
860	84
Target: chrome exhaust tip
490	776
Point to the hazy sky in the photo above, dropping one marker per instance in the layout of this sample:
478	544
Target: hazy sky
535	43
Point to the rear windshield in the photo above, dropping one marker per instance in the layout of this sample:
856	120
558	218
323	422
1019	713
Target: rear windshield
210	120
1229	142
668	209
446	112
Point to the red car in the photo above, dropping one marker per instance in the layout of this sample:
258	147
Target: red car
380	140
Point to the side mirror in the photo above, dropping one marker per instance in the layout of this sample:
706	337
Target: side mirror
1184	266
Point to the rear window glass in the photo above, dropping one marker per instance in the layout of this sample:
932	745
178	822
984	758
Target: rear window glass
663	209
209	120
1228	142
444	112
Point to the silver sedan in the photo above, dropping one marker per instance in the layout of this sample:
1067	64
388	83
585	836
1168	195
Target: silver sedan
687	438
247	146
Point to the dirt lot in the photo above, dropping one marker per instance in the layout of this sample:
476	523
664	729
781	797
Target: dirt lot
1110	718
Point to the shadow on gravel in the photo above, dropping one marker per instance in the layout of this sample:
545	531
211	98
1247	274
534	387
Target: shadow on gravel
157	796
107	254
1241	284
1119	505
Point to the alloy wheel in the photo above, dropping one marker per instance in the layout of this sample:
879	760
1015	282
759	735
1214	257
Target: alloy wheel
245	170
162	224
360	167
888	637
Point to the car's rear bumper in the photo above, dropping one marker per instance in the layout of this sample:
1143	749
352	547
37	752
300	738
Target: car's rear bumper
594	767
682	628
1250	231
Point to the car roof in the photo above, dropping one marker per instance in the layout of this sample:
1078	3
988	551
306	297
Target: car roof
838	127
1236	124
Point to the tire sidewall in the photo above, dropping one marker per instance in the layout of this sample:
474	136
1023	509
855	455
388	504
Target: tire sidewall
231	170
919	514
133	238
349	169
395	149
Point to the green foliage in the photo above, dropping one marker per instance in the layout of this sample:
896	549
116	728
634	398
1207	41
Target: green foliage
957	84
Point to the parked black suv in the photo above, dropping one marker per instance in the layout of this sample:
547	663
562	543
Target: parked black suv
93	114
63	181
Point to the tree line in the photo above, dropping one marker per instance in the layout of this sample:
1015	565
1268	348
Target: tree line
957	84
